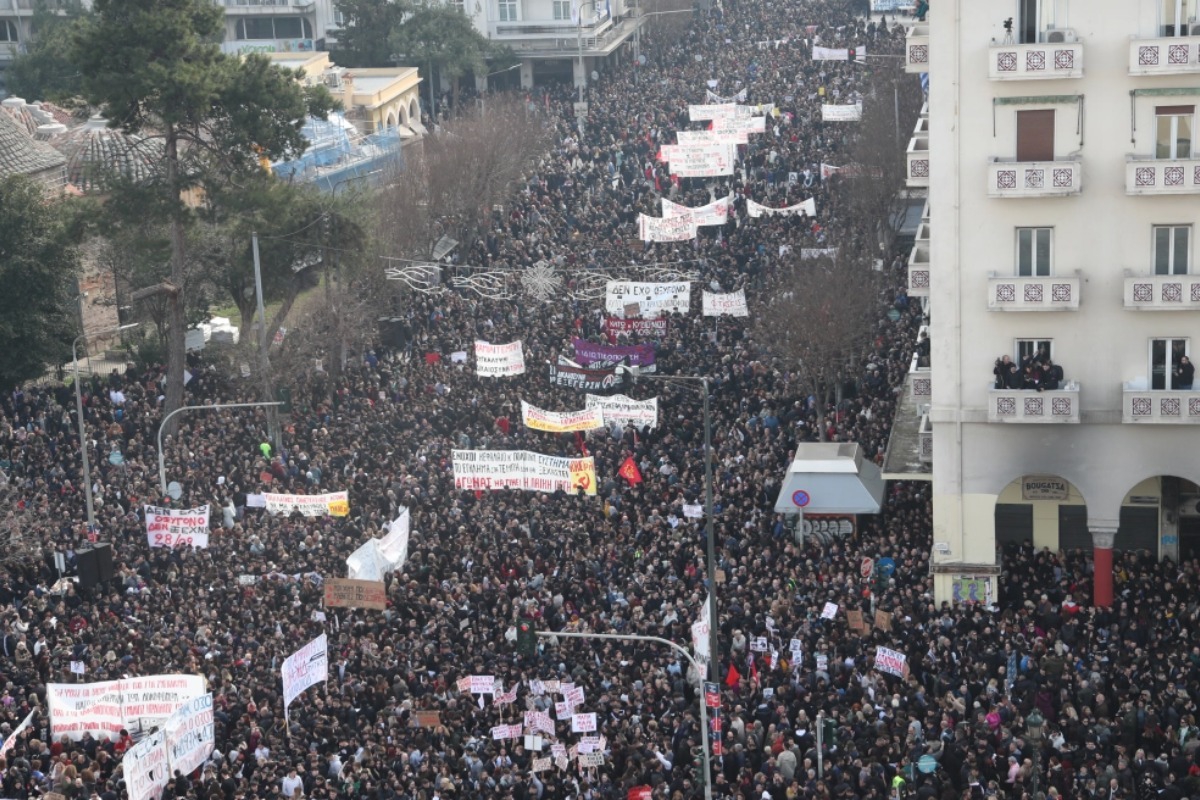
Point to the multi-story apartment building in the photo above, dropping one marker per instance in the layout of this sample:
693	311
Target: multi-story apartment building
1061	158
556	40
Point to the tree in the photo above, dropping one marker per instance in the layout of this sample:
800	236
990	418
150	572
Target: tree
366	39
45	71
38	265
443	37
473	163
817	319
154	66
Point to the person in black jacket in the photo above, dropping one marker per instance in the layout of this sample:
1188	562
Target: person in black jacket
1052	376
1185	373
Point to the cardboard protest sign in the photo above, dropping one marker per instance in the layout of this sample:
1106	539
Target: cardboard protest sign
883	620
350	593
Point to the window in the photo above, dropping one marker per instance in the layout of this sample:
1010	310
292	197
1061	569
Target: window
9	32
339	19
1165	355
1176	15
562	9
1172	249
1036	17
1033	252
274	28
1031	347
508	11
1173	131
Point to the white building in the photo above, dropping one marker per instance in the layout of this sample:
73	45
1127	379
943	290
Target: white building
1064	197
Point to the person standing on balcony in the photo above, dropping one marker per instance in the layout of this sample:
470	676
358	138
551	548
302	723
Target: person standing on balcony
1185	373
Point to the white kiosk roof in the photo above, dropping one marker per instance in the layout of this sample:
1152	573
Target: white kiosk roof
830	478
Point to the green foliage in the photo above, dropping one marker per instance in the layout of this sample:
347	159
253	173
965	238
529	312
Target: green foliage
366	39
45	71
38	266
444	36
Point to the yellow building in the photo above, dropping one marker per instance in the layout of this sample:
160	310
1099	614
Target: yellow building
373	99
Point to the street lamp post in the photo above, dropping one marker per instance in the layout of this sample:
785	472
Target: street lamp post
162	462
714	654
629	637
83	441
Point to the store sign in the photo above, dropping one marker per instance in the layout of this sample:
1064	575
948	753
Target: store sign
1044	487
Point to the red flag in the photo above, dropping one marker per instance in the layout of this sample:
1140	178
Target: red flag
640	793
582	444
753	669
733	677
630	472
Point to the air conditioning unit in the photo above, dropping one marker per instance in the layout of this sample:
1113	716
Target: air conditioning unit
1189	507
1196	29
1061	36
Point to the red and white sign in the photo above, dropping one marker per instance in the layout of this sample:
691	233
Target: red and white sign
170	527
483	684
306	667
190	734
866	567
583	723
499	360
890	661
104	708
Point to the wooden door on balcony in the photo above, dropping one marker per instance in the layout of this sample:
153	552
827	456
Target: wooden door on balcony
1035	135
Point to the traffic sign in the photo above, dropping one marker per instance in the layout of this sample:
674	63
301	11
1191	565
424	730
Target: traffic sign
800	498
866	567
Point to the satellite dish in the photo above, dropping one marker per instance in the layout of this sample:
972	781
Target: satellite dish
174	490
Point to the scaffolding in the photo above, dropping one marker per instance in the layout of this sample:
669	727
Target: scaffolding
338	153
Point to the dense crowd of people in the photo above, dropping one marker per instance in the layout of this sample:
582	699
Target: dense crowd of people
1116	686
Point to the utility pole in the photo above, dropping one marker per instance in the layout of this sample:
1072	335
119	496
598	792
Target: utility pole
264	362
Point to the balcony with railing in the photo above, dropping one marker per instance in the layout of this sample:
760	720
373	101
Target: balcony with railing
1159	176
1060	406
1008	178
260	8
1033	293
918	270
1168	55
916	48
1055	59
1162	292
1160	407
917	161
920	383
925	440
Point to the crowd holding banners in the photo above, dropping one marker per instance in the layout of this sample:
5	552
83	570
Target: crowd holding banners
590	354
305	668
841	113
647	299
755	210
726	304
170	527
480	470
333	504
499	360
561	421
623	410
628	560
